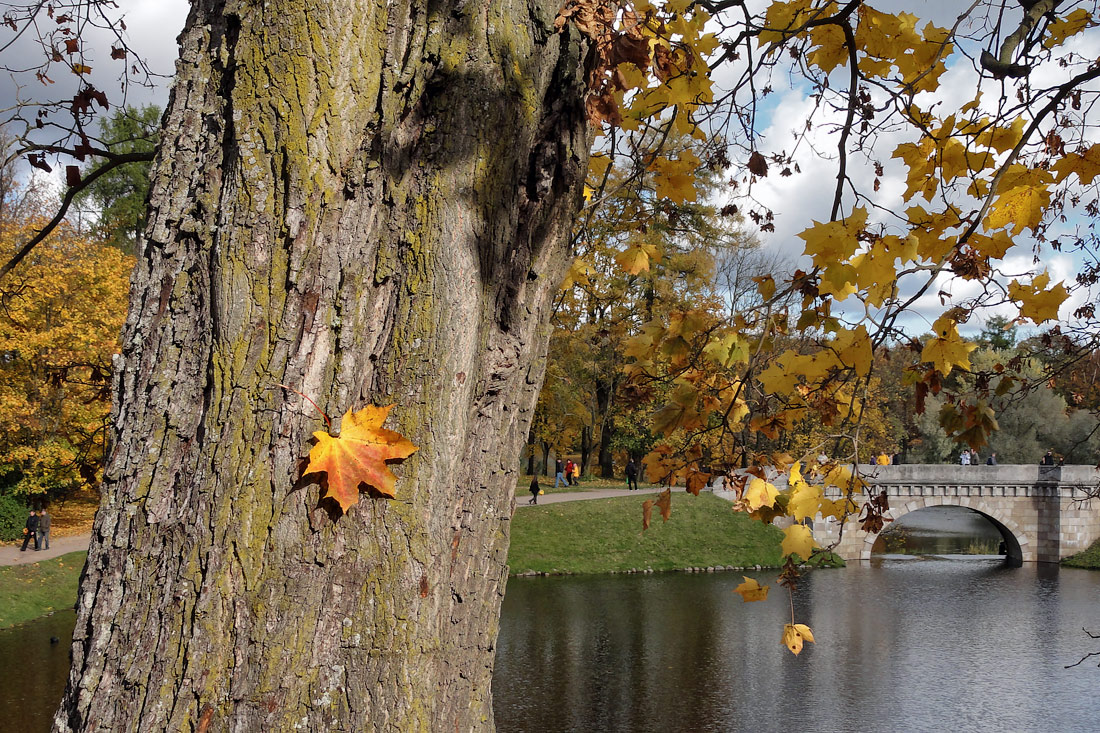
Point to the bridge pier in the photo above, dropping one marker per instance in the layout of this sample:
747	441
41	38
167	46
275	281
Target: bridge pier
1045	513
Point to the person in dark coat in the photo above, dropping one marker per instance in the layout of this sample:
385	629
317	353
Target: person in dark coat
559	474
30	531
534	490
631	475
992	460
43	530
1048	459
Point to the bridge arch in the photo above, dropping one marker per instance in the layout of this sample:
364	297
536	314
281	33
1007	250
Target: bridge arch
1017	548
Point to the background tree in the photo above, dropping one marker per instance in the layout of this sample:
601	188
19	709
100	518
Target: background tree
60	315
120	195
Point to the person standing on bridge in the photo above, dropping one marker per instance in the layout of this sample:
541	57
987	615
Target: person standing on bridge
992	460
964	457
1048	459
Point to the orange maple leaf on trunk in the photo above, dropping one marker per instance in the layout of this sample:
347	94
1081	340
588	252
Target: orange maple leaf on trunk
359	456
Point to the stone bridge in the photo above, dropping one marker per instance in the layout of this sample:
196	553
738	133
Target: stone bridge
1044	513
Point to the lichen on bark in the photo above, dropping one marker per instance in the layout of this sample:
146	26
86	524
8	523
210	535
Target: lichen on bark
370	202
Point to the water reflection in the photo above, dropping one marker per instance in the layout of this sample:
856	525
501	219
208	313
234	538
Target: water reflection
906	644
940	530
33	671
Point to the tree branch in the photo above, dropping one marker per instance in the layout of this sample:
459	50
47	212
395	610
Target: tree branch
66	201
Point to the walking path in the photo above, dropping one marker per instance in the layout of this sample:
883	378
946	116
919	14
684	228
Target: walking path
523	496
10	554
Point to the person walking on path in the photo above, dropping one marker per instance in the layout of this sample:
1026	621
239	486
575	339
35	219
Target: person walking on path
575	477
534	490
569	473
631	475
30	531
43	530
559	476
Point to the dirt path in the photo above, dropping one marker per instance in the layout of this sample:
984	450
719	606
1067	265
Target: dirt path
523	496
10	554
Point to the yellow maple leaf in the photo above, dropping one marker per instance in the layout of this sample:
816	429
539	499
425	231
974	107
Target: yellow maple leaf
674	178
853	348
727	351
830	242
798	540
947	350
831	51
359	456
577	274
751	590
636	257
759	493
994	245
794	635
805	501
1036	301
1003	139
779	17
1021	206
1062	28
1086	165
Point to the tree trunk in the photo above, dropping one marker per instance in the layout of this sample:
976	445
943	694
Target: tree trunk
586	446
604	392
369	202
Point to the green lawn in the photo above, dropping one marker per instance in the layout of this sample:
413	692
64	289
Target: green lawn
1089	559
32	590
605	535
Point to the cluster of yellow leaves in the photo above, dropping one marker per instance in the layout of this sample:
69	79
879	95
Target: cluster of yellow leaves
652	70
886	44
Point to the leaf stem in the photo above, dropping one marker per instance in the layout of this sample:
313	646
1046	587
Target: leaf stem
307	399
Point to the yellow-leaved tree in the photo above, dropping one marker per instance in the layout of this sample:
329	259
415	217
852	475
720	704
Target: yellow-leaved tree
934	187
61	313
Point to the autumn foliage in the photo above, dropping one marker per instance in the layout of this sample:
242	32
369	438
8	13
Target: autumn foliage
1001	171
60	316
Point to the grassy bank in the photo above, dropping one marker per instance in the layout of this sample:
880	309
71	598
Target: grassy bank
32	590
605	535
1089	559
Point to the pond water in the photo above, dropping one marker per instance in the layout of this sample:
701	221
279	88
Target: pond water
903	643
33	671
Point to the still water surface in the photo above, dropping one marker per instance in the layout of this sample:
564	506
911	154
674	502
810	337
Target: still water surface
903	644
932	643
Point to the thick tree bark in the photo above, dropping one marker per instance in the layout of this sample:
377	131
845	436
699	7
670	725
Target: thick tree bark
368	201
604	391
